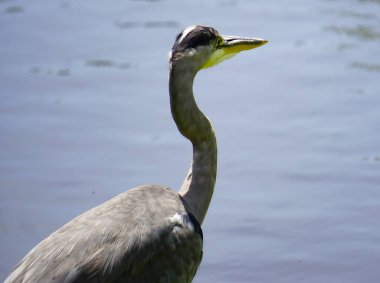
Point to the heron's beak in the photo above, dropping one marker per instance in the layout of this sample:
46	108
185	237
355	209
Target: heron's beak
233	44
229	46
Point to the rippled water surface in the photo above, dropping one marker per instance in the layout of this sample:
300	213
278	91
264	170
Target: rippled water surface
84	115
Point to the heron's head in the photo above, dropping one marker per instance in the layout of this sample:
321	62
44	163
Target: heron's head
199	47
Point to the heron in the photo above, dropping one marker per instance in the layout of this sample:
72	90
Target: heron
149	233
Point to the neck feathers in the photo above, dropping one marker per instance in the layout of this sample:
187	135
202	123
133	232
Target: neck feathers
198	186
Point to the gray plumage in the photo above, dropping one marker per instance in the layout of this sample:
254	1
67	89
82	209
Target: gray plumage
130	238
149	233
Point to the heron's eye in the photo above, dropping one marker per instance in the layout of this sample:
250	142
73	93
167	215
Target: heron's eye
219	41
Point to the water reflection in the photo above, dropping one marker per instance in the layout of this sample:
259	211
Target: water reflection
14	9
370	1
97	63
58	72
366	66
101	63
361	29
371	158
63	72
359	32
362	16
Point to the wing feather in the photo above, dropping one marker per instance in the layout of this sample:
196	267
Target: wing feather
127	238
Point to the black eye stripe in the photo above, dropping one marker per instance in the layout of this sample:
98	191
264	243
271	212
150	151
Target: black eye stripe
195	39
199	36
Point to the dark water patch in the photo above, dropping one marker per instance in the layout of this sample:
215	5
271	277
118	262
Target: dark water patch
58	72
34	70
105	63
147	24
63	72
360	31
375	158
227	3
14	9
370	1
366	66
350	14
161	24
345	46
363	16
356	91
299	43
65	5
100	63
127	25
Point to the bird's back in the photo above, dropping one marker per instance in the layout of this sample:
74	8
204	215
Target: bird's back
143	235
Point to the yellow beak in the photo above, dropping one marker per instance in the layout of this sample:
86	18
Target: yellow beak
229	46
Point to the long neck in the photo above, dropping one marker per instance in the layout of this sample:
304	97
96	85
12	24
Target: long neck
198	186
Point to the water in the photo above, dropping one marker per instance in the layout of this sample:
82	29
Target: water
84	116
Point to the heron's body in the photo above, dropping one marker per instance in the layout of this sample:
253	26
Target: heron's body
130	238
150	233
